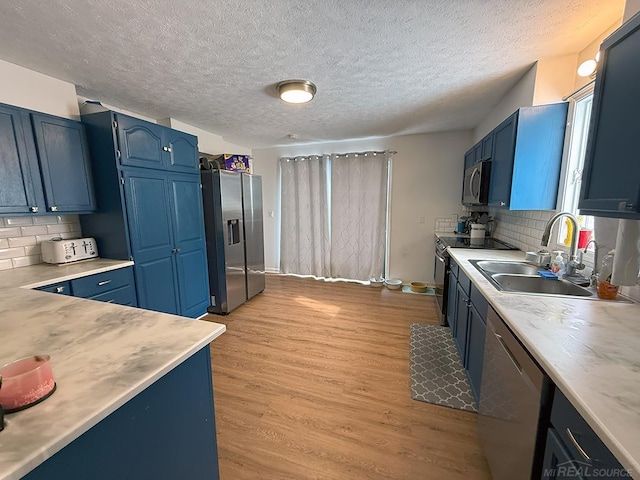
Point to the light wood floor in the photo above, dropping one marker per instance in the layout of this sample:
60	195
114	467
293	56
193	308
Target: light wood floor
311	381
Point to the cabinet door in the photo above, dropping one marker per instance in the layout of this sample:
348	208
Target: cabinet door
462	323
504	145
475	350
151	236
140	143
452	303
190	245
611	181
469	158
183	151
487	147
557	463
477	152
64	163
18	173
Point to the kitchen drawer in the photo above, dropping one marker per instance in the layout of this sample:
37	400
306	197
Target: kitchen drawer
62	288
122	296
464	282
565	418
93	285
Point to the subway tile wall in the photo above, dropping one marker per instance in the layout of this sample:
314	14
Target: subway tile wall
20	237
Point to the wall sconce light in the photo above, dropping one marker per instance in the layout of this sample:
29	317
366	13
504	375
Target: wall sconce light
588	67
296	91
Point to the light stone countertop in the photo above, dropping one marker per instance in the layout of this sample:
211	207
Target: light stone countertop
102	355
590	349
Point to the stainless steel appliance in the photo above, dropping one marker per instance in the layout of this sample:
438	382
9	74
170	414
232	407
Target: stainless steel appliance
235	239
475	189
66	251
441	264
515	396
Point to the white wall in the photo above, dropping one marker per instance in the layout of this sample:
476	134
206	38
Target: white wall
207	142
426	182
520	95
555	78
28	89
631	8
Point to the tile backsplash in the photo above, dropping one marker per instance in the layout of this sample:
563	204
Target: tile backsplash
20	237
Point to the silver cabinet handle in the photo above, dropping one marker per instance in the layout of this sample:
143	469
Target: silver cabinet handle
54	208
34	209
502	204
175	250
577	445
167	149
111	301
104	282
59	289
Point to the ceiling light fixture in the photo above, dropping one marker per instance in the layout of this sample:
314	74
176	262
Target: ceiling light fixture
588	67
296	91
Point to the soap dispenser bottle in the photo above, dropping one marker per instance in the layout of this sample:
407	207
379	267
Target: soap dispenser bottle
557	265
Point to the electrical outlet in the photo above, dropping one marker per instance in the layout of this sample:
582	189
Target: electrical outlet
454	217
421	219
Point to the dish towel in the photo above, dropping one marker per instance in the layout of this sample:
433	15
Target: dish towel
626	262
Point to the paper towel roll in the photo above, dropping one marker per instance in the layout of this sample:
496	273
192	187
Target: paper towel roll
626	261
605	231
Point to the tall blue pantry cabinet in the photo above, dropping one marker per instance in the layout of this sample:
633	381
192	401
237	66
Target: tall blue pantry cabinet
147	183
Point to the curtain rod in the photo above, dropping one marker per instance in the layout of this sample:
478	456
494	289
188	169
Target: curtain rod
579	90
381	152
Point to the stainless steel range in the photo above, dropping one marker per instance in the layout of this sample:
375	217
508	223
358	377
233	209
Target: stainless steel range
441	263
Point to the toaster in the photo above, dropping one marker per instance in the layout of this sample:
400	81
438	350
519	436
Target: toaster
66	251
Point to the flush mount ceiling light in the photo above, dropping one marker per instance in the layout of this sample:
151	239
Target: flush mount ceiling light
296	91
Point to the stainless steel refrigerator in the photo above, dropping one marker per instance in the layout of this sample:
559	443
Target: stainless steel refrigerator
235	237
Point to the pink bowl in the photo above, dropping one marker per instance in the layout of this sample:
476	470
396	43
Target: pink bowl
25	381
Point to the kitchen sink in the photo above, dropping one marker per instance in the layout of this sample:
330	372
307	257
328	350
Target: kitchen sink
530	284
520	268
521	277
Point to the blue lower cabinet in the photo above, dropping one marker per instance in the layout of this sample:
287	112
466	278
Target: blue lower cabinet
115	286
452	303
475	349
575	449
167	431
462	324
61	288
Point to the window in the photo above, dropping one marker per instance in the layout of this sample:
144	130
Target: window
578	130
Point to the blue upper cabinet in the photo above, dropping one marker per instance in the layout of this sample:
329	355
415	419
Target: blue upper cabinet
148	145
611	179
44	165
64	164
140	143
182	151
527	155
18	171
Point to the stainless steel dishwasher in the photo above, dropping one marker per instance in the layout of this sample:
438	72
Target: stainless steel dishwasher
514	405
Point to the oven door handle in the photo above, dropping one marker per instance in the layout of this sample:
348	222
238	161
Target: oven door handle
440	258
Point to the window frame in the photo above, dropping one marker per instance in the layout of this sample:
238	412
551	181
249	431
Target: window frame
569	160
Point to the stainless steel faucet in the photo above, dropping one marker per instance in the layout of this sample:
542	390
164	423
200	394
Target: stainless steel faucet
572	264
594	271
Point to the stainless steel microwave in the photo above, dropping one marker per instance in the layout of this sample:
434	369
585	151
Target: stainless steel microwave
475	190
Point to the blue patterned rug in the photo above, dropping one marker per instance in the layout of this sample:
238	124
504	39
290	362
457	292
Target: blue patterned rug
437	374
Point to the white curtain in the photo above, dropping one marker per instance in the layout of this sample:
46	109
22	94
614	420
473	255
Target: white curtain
304	236
358	215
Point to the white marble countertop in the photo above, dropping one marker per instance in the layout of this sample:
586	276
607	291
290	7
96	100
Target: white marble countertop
102	355
590	349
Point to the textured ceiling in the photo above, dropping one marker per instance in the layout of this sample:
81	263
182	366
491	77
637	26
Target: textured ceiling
382	67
